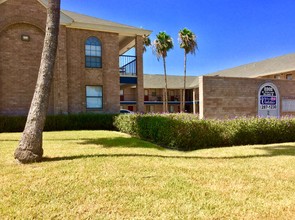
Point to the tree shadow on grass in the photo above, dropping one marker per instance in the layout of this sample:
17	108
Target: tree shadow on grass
123	142
272	151
279	150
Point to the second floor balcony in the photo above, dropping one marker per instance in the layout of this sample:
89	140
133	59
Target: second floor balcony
127	64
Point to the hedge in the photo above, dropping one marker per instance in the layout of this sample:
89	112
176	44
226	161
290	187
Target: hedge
85	121
186	132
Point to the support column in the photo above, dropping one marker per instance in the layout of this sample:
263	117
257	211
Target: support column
139	71
201	98
164	99
181	100
194	101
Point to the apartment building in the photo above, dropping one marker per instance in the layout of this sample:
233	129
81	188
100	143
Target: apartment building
91	64
154	94
95	71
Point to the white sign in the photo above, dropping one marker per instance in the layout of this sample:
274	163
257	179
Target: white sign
268	100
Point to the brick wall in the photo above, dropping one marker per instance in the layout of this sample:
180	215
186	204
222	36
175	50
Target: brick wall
129	94
227	97
79	76
139	71
20	60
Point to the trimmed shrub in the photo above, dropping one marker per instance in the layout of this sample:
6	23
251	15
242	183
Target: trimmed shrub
12	123
176	131
186	132
85	121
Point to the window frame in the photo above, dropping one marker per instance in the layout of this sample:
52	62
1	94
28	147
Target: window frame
99	97
289	76
92	65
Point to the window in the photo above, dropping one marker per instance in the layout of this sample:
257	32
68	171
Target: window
150	108
171	92
171	108
154	93
93	53
289	76
121	95
94	97
146	95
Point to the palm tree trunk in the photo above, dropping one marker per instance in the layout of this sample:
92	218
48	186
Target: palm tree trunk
184	84
166	89
30	146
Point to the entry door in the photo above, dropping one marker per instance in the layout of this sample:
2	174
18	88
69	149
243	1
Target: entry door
130	108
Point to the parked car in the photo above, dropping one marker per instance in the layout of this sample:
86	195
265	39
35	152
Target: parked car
126	111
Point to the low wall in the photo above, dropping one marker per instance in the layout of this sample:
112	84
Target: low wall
228	97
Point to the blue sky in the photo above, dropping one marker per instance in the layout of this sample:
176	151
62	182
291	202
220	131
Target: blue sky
229	32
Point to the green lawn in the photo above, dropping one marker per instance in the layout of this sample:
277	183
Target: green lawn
109	175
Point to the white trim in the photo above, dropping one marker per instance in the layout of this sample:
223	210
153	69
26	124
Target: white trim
104	28
64	19
115	28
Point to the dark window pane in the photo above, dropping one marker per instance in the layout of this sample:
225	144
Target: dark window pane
93	53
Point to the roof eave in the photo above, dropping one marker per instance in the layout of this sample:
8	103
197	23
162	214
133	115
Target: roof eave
272	73
125	31
65	20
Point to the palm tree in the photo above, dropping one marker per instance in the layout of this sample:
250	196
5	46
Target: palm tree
30	146
187	40
161	45
146	42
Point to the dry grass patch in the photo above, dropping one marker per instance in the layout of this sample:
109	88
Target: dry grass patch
110	175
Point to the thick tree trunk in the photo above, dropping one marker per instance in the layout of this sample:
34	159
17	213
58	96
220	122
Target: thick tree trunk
184	84
166	87
30	146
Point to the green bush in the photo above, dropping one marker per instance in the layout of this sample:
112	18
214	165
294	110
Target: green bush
176	131
12	123
85	121
186	132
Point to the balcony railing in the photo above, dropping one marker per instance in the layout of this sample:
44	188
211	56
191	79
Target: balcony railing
127	65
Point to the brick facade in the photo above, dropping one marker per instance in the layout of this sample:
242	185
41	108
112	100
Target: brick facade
80	77
227	97
20	60
219	97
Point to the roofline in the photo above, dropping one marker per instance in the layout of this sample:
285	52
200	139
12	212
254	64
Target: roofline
271	73
126	31
253	75
70	23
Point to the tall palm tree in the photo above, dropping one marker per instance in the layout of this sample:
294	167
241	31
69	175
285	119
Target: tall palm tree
30	146
146	42
161	45
188	41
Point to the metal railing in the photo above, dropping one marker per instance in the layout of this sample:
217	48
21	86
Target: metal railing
127	65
